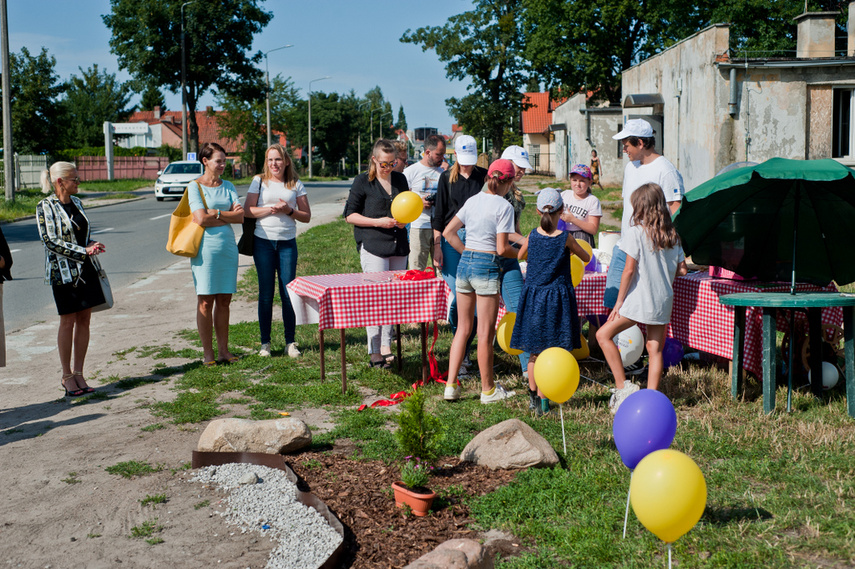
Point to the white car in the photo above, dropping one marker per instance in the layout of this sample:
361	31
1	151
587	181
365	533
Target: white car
172	182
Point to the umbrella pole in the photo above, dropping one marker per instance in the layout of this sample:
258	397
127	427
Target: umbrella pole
795	242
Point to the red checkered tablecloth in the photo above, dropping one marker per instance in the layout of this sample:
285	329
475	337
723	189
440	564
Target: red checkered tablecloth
372	299
700	321
589	296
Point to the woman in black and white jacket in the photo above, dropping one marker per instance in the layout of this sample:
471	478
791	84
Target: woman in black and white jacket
64	230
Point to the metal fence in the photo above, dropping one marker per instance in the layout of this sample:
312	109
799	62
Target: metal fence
542	163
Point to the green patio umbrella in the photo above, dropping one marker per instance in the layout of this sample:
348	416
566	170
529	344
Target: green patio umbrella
782	220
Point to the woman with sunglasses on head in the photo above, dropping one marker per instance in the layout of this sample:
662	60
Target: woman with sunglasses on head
65	230
380	239
277	199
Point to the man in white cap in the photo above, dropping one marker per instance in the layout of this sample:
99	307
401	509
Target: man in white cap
519	156
422	178
645	166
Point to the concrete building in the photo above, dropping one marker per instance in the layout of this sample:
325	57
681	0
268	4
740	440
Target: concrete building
577	129
710	110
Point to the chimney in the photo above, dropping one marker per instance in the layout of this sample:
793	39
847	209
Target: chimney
815	34
157	111
850	31
209	109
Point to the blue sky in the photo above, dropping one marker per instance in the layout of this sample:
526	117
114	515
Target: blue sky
356	43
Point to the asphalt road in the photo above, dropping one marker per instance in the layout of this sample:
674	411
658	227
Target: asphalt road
134	234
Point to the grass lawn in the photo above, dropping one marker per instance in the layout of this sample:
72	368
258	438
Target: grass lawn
27	199
781	487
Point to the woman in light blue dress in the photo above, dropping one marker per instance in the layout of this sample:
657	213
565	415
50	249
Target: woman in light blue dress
215	267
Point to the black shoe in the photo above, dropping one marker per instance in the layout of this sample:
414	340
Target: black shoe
635	369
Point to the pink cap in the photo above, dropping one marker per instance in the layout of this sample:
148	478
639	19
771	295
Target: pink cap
504	168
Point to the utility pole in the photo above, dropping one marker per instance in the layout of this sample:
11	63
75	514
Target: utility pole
8	157
183	87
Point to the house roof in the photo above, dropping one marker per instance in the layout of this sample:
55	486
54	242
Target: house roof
537	118
206	120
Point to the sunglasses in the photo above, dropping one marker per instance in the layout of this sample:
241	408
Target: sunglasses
387	164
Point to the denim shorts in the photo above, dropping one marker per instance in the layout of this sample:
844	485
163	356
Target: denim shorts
613	277
478	273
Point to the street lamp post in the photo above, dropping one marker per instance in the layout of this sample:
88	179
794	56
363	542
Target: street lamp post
310	120
267	91
359	141
380	124
183	86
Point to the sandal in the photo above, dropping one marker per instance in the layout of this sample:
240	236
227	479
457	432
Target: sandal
211	363
76	392
390	358
231	360
382	364
86	389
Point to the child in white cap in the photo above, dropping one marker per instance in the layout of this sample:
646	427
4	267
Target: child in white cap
547	316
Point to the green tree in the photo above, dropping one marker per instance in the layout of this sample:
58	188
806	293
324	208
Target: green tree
334	122
92	99
146	37
36	110
246	121
151	98
402	119
485	47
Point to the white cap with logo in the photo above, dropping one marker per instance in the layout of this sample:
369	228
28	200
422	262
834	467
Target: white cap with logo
518	155
466	148
635	127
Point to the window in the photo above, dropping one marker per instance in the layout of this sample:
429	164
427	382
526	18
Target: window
841	124
534	155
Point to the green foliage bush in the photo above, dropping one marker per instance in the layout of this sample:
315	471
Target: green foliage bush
419	433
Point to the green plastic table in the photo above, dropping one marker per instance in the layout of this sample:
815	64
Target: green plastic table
813	303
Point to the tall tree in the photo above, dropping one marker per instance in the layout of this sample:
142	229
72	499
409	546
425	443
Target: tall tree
485	47
402	119
92	99
36	110
218	35
246	121
334	120
151	98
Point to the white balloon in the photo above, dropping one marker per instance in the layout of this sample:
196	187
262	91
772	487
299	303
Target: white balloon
830	375
630	342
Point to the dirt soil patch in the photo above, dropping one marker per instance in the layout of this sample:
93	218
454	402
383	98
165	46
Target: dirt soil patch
378	534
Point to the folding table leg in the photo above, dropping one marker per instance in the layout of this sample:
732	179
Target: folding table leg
323	370
424	351
398	335
815	343
738	340
849	353
769	379
343	365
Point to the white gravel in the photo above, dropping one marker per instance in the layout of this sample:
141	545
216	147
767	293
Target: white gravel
305	539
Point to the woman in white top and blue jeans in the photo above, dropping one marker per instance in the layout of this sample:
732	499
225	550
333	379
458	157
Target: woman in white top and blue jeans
277	199
489	220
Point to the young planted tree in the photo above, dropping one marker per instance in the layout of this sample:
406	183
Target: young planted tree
92	99
151	98
218	36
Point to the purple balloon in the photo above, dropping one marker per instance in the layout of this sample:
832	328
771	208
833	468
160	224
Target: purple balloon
644	422
672	352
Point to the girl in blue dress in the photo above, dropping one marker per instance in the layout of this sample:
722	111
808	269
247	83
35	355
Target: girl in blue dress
547	316
215	267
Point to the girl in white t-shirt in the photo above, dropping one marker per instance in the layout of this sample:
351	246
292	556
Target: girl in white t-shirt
277	200
653	259
489	220
582	210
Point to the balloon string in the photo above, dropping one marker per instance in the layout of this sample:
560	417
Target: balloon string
626	515
592	380
563	434
669	555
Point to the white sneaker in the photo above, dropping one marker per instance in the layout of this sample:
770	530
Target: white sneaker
264	352
620	395
498	395
452	391
463	372
293	352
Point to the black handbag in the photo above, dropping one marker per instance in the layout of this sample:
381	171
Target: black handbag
247	239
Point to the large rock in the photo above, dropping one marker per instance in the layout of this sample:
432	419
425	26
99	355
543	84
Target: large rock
509	445
455	554
277	436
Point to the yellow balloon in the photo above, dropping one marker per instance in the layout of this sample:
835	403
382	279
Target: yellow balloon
668	493
577	270
407	207
586	246
556	373
505	330
583	352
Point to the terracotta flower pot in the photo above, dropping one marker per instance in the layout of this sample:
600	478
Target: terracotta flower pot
419	503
